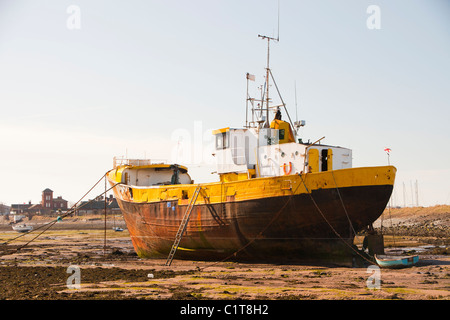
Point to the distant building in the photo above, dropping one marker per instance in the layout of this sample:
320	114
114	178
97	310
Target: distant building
4	209
20	208
47	199
48	205
51	205
97	206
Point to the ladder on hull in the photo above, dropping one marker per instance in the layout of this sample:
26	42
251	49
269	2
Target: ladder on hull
183	225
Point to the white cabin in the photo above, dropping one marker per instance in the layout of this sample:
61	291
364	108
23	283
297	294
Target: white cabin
143	173
267	152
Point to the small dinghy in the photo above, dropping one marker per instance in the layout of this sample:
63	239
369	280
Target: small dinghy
396	261
22	228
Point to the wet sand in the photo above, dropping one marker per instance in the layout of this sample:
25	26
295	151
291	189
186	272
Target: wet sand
39	271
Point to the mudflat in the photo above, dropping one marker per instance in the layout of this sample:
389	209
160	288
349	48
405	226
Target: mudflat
44	268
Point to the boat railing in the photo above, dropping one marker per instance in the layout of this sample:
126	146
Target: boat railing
121	161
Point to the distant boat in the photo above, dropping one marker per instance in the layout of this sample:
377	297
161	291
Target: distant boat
396	261
22	228
117	229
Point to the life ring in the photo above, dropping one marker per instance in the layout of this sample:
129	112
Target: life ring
290	168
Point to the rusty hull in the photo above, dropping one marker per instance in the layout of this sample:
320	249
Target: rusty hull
268	229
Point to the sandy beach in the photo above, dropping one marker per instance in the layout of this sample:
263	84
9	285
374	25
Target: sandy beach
44	270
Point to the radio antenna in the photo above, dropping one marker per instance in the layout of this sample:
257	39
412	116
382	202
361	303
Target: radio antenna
278	35
277	39
296	109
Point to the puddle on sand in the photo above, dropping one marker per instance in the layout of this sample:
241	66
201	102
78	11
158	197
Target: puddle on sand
418	249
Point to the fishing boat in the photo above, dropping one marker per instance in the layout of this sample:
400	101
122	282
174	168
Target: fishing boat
386	261
22	228
276	195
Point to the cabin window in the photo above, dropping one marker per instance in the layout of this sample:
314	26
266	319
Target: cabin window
324	159
222	140
327	159
281	134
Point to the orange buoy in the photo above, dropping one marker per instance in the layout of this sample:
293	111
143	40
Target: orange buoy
286	172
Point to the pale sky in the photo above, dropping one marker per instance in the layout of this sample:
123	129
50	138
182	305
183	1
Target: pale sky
113	78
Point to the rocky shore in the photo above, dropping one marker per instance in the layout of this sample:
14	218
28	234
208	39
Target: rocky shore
430	224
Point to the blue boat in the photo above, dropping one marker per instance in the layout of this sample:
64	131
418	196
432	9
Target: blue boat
396	261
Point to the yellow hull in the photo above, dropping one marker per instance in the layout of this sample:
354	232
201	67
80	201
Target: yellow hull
256	188
293	216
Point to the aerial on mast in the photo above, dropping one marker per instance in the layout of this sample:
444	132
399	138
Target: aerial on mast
265	98
263	104
266	92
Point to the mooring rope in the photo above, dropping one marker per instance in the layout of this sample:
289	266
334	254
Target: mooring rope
342	202
258	235
277	215
392	226
52	223
332	228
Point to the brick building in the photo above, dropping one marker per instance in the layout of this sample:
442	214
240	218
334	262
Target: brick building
48	204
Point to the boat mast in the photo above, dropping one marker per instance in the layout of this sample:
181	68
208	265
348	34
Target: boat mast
264	91
267	98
